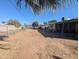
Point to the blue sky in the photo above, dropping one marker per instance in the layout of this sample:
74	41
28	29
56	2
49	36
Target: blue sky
25	15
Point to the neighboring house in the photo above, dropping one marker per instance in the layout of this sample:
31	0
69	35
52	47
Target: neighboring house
52	27
69	26
43	26
21	27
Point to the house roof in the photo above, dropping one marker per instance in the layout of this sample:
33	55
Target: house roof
68	21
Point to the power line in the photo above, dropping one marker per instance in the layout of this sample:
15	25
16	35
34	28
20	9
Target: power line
16	8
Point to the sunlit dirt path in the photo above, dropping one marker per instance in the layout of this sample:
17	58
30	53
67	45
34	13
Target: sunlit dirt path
30	44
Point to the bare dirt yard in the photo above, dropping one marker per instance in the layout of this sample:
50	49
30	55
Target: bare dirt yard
30	44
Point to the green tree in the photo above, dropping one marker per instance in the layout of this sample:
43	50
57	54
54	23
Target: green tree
38	5
45	23
35	24
16	23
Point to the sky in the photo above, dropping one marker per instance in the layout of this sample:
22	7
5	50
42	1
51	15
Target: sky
9	10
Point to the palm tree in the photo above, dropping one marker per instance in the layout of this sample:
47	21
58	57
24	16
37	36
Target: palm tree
38	5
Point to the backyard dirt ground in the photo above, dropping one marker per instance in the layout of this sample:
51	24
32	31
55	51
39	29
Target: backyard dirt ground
30	44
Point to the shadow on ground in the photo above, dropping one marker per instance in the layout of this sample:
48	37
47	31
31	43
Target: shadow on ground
4	46
3	37
56	57
57	35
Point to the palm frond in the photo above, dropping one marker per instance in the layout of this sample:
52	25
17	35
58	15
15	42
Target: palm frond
38	5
